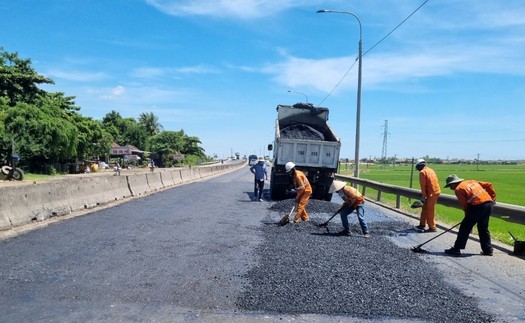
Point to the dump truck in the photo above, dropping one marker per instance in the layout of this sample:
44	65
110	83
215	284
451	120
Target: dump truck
304	137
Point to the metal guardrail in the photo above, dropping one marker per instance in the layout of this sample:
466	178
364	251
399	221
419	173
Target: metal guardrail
508	212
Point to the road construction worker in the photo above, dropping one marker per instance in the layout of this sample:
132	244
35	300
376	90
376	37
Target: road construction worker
302	188
430	191
477	199
352	200
260	175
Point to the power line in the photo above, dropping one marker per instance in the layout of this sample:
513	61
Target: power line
380	41
401	23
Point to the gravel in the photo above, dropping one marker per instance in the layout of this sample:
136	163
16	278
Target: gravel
306	269
301	132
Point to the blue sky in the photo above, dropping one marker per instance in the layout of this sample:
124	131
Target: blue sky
450	81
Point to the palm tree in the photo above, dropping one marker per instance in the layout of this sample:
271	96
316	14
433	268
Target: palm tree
151	123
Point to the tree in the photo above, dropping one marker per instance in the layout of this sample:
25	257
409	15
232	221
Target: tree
94	140
191	147
151	123
125	131
18	80
39	135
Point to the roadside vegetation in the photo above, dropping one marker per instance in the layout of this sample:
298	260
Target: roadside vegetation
507	179
49	134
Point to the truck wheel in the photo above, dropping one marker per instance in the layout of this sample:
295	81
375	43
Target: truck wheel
277	192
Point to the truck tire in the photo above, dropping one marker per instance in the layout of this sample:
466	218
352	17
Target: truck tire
277	191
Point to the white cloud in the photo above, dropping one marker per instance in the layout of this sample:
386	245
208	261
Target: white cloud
78	76
243	9
156	72
119	90
380	70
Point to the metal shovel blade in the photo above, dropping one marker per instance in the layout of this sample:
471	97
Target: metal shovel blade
285	219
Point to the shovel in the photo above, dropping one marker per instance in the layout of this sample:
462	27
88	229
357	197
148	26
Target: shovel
286	218
326	223
418	249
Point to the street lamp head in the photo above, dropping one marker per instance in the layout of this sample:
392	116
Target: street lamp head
321	11
306	97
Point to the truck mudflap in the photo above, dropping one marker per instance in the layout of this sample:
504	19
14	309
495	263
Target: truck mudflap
279	184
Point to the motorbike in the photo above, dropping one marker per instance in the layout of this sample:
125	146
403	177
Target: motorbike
9	169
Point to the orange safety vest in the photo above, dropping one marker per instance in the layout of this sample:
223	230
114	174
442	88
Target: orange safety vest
429	182
472	192
352	197
301	183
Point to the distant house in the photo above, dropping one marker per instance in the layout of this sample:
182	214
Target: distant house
127	152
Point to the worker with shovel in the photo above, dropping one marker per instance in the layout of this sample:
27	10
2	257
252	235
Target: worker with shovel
303	191
430	191
477	199
352	200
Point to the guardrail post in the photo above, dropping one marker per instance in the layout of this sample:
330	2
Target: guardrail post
398	201
379	196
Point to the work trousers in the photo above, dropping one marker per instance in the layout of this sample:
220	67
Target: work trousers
480	215
428	212
258	187
360	211
301	207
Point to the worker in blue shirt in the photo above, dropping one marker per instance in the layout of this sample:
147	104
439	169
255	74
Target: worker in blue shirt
259	170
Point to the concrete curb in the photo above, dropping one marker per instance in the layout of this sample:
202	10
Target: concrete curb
25	204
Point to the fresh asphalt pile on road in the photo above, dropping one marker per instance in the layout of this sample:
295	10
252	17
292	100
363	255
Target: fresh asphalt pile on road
306	269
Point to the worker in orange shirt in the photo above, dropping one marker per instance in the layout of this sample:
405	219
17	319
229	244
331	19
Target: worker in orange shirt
429	195
353	200
302	188
477	199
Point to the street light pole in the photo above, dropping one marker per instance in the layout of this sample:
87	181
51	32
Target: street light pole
358	113
290	91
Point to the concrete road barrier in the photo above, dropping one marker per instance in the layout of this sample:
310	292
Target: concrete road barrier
154	181
138	184
177	176
23	204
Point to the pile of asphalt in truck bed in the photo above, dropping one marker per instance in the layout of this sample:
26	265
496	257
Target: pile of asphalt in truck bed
304	269
301	132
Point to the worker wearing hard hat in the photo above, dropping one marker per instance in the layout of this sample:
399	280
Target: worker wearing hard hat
477	199
430	192
302	188
352	200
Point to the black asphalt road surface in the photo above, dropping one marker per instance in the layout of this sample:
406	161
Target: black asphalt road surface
204	252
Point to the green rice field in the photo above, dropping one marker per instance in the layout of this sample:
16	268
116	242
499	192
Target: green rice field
508	181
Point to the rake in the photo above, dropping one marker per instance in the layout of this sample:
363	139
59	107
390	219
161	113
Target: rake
418	248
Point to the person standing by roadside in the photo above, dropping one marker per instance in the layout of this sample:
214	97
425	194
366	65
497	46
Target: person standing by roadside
260	175
477	199
302	188
151	165
352	201
430	192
